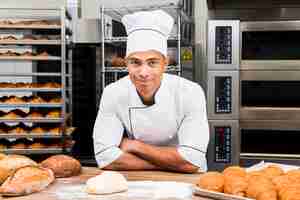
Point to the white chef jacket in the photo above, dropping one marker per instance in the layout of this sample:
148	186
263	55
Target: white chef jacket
178	118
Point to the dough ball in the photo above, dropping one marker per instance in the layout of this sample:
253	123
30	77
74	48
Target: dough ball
107	183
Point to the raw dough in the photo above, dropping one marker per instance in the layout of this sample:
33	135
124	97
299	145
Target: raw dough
107	183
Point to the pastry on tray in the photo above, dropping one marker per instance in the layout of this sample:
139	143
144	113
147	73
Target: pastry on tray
18	145
36	100
53	114
56	100
55	131
37	131
9	53
3	146
36	85
34	115
51	85
36	145
28	37
9	37
10	115
118	61
6	22
27	54
17	131
14	100
43	54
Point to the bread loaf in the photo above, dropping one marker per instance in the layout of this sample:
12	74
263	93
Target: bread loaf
62	165
10	163
27	180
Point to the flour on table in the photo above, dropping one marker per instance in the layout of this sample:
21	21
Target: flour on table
136	190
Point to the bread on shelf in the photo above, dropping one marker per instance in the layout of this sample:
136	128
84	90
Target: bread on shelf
14	100
28	37
18	131
9	37
34	115
56	100
118	61
10	115
36	100
18	145
9	53
37	131
53	114
51	85
43	54
55	131
36	145
27	54
6	22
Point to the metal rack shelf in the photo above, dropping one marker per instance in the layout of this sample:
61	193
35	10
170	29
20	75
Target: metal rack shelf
32	74
30	89
172	9
35	151
28	105
30	42
57	18
29	58
50	27
31	136
170	68
36	120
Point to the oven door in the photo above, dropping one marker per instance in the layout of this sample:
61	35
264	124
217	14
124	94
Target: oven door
269	140
223	148
270	45
270	95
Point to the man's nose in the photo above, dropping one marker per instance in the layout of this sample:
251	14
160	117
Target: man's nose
144	72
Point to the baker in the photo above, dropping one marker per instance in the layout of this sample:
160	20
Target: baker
151	120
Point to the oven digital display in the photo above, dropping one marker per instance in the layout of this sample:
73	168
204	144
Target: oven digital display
223	95
223	46
222	144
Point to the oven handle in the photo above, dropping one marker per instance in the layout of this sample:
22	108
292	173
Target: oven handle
268	155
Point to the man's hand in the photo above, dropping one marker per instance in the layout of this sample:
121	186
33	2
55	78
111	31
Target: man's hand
128	145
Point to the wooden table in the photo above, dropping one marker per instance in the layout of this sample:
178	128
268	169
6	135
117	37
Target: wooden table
87	172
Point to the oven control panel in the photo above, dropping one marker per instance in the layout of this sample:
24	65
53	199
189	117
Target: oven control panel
223	46
222	144
223	95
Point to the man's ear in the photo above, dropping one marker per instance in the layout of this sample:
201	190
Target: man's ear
167	60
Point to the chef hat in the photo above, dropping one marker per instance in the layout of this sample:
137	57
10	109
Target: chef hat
148	30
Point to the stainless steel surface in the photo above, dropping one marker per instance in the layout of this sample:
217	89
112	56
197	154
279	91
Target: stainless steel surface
270	155
235	24
211	94
270	26
261	14
270	65
270	75
30	136
235	144
87	31
169	68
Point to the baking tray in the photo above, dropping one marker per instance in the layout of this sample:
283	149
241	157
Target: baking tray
216	195
32	151
30	89
42	120
49	58
30	42
30	26
29	105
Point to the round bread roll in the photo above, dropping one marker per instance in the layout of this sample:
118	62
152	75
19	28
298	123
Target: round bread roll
62	165
106	183
212	181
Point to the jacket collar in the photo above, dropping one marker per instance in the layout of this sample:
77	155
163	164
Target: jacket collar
135	100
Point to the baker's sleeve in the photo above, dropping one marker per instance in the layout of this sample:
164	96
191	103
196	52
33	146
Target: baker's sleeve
108	131
193	133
